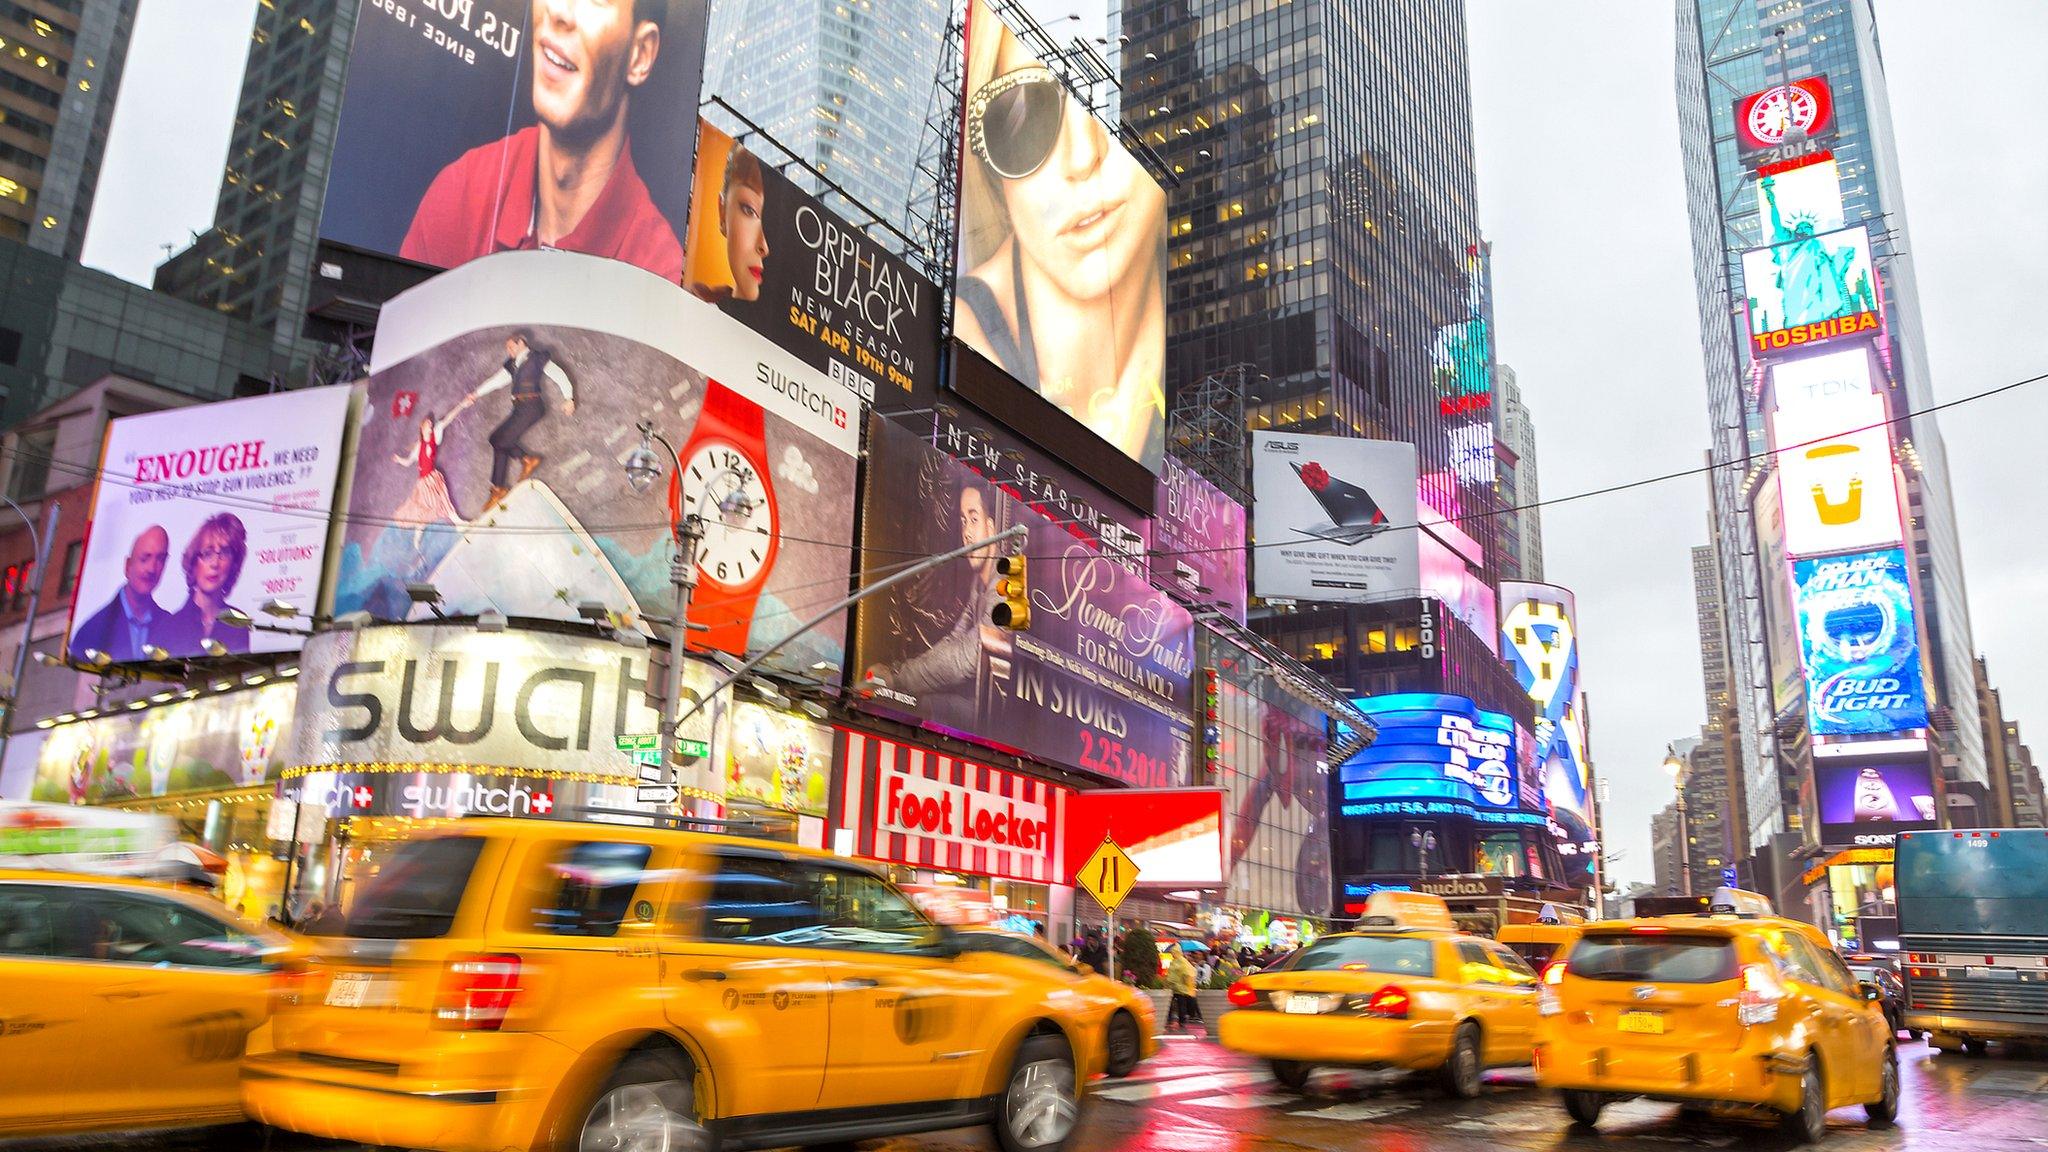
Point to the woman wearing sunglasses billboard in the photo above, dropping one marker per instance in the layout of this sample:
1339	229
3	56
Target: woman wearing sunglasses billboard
1062	248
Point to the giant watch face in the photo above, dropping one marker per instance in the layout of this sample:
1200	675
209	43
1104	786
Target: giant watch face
729	495
1777	111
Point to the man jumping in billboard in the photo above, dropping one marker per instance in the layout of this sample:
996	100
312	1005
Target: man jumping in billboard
568	182
524	371
127	623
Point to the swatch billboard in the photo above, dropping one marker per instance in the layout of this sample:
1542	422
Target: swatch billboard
1335	517
492	445
477	126
1197	540
1061	269
1810	290
204	509
1861	644
775	258
1099	682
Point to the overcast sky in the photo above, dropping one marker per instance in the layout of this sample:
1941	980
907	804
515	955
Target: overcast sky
1581	193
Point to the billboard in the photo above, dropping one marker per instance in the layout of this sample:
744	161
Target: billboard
776	759
1197	540
1799	203
1810	290
1781	624
1431	747
204	744
203	509
1272	743
914	806
1780	124
1463	591
1173	835
1335	517
775	258
1046	484
477	126
1099	682
1834	452
1867	801
1860	643
1061	270
1540	643
492	440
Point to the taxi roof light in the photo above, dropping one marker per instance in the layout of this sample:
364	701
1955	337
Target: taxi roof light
1728	901
1407	911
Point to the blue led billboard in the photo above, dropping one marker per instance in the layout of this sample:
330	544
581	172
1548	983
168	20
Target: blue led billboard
1436	751
1860	644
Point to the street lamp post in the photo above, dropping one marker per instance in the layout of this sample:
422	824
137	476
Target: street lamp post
39	544
1677	768
643	468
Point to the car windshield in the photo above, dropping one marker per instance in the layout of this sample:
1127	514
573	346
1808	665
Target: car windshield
1388	955
1654	959
415	895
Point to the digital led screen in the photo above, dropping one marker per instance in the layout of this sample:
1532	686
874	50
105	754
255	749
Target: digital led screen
1540	644
1860	643
1834	454
1783	122
1173	835
1867	801
1431	746
1801	202
1810	290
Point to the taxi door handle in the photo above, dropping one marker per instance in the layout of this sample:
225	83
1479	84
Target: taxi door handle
860	982
126	992
694	975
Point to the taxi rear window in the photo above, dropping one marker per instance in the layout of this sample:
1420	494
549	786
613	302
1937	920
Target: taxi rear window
1655	959
415	895
1389	955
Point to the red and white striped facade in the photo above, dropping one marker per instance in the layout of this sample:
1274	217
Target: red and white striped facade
985	809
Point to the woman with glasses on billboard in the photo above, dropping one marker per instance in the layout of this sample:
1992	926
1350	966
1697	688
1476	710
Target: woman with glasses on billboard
1062	248
212	563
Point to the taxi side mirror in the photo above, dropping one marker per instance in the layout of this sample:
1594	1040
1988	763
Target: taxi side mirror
1871	992
1081	969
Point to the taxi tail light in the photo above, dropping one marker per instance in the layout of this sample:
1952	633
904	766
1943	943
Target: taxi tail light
1547	1003
1761	991
1241	995
288	981
477	991
1553	973
1389	1003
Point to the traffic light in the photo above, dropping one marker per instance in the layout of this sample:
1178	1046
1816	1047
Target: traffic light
1014	612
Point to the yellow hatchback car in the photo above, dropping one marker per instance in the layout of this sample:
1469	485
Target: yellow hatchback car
1116	1015
540	985
1406	990
126	1003
1739	1009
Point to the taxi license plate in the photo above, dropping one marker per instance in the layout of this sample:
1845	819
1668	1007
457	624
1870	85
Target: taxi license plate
1305	1005
355	990
1647	1023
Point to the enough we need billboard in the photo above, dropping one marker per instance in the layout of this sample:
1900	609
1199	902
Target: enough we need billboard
1335	518
1061	268
477	126
204	509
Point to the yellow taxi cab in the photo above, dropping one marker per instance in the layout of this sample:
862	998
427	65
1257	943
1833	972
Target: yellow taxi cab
1405	990
1537	944
1114	1015
514	984
1738	1008
126	1003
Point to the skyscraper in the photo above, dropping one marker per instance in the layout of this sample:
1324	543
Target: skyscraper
847	85
1323	231
257	261
62	60
1521	525
1820	57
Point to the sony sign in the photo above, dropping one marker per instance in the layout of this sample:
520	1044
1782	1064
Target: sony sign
450	696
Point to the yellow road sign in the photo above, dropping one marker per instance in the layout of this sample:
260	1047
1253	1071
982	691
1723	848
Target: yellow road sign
1109	875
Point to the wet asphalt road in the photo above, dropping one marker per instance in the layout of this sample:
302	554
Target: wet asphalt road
1195	1096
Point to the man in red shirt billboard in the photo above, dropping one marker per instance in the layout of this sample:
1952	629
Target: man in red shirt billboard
520	124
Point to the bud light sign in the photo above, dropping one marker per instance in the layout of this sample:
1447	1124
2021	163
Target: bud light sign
1860	644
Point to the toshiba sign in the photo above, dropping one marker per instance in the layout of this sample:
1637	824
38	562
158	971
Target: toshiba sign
914	806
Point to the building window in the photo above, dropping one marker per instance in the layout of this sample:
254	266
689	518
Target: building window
67	582
30	475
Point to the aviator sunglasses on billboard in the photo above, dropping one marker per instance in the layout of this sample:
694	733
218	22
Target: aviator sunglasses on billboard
1014	120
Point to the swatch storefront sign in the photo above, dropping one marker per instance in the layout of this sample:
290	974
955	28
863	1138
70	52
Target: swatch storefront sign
911	805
